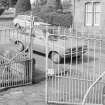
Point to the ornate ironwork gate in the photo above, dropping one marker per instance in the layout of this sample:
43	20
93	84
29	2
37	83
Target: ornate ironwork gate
74	61
15	58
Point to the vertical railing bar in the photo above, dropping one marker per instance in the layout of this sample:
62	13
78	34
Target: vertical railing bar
82	56
100	57
3	85
55	78
12	83
96	94
68	81
64	69
52	67
19	56
25	78
70	65
8	76
14	77
2	75
29	70
46	82
81	59
31	42
76	81
65	64
94	98
10	64
68	74
0	34
29	61
88	61
82	90
58	70
79	92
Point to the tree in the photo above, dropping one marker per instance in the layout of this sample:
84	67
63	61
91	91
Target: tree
58	4
23	6
4	3
12	3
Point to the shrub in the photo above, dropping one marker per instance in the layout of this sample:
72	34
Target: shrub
57	18
4	3
23	6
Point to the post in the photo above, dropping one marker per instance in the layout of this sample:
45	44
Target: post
31	39
46	84
103	95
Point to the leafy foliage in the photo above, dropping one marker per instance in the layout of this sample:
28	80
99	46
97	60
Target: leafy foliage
23	6
55	18
12	3
4	3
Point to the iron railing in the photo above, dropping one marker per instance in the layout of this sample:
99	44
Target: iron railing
79	61
15	58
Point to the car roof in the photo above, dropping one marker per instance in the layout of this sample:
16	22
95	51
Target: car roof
27	17
24	17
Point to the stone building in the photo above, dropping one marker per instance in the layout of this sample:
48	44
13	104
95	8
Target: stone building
89	15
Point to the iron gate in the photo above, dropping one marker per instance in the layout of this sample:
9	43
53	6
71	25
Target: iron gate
73	62
15	58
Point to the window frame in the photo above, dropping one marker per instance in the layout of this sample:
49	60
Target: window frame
93	12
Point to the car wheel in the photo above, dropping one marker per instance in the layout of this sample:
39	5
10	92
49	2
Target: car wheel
19	46
22	29
18	26
55	57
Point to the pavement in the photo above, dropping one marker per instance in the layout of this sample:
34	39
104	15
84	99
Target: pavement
33	94
26	95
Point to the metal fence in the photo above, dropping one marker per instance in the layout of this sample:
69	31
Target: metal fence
74	61
15	58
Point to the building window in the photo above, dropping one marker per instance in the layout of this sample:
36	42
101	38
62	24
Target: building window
92	14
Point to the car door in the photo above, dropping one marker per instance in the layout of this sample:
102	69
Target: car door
28	21
39	41
22	21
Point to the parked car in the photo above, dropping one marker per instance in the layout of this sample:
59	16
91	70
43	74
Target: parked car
58	45
25	21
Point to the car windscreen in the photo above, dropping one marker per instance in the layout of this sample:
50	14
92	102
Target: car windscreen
56	37
38	19
57	30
